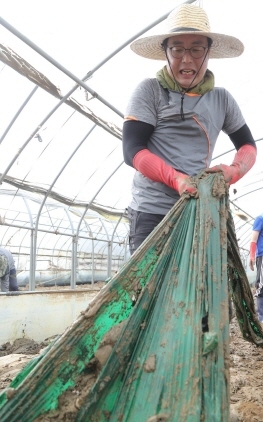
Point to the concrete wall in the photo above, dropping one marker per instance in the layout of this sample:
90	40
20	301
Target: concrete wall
39	315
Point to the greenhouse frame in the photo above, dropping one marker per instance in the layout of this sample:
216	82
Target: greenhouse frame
64	186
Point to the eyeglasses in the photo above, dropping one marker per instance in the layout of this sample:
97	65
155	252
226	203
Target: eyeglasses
179	52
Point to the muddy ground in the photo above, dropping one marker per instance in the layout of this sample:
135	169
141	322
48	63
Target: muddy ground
246	372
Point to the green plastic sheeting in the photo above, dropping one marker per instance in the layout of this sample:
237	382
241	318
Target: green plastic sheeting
162	366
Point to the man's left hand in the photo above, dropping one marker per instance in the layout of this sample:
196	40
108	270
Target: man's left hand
228	171
243	162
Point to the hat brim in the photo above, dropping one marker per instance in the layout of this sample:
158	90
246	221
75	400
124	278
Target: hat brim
224	46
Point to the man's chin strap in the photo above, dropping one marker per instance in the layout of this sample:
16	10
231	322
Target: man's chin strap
197	89
167	82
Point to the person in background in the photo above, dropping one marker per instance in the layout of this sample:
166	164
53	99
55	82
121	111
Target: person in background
172	121
256	255
7	271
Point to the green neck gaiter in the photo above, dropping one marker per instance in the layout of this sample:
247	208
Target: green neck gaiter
207	83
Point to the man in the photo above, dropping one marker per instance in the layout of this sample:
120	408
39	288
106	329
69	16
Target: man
7	271
256	254
173	121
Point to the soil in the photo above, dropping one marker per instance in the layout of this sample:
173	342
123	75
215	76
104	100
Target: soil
42	287
246	378
246	375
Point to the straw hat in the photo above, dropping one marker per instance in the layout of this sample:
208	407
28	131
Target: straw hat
188	19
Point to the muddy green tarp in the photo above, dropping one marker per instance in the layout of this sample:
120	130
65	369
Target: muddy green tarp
161	365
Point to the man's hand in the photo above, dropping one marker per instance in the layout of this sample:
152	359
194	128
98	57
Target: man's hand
243	162
251	264
228	171
183	184
252	257
155	168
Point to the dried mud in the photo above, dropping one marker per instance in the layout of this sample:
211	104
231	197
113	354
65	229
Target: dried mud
246	376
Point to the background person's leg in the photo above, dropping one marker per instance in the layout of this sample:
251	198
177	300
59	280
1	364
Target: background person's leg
13	287
259	288
260	308
4	284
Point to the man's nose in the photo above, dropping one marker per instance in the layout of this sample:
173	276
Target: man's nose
187	57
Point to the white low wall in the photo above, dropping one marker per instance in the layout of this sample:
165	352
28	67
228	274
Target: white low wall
39	315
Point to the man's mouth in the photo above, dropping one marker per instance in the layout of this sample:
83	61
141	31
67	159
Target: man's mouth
187	72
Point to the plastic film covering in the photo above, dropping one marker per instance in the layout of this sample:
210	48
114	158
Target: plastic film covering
140	350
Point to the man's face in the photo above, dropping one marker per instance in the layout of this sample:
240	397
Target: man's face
186	67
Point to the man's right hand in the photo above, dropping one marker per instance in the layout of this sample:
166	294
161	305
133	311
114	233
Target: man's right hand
252	257
184	184
251	264
156	169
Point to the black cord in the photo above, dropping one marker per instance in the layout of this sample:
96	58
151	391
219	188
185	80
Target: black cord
178	87
182	106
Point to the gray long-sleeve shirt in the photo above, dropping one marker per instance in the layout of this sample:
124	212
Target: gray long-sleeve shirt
186	145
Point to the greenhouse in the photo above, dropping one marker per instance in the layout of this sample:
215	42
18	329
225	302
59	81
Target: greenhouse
110	320
64	186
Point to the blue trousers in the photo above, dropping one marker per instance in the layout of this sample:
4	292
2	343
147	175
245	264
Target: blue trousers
260	308
13	287
259	277
259	287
